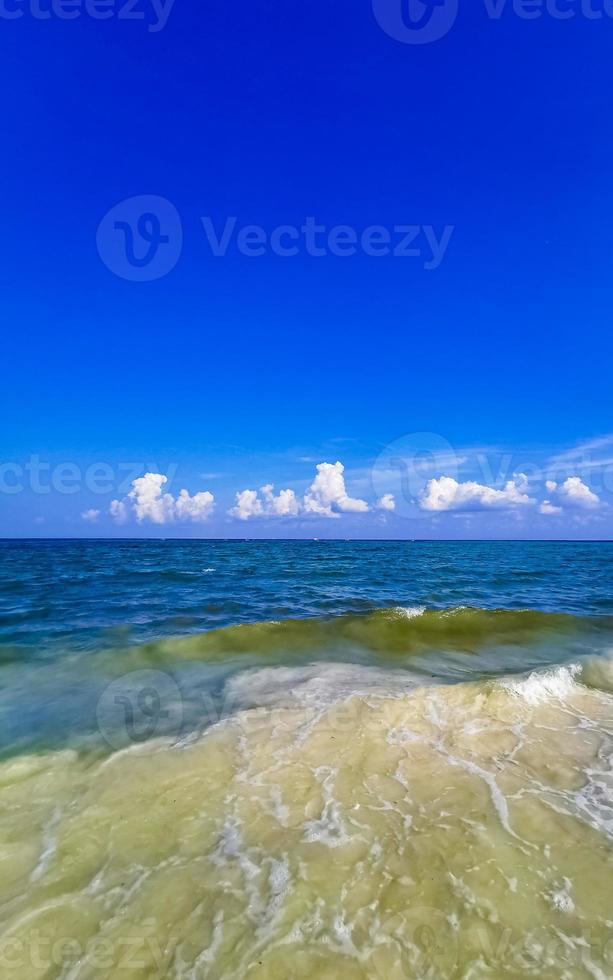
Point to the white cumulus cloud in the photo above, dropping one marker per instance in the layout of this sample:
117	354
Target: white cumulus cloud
118	511
248	504
90	515
386	502
327	495
447	494
548	508
196	508
264	503
286	504
148	502
575	493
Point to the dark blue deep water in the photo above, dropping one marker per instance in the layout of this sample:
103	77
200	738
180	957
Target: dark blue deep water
77	595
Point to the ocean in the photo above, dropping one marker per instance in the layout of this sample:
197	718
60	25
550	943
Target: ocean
306	759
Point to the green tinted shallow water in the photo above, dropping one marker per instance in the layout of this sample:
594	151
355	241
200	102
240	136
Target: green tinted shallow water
447	832
405	792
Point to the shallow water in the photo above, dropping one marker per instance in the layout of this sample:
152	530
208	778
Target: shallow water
373	786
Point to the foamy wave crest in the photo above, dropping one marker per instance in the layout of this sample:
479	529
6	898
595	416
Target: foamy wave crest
542	685
408	612
598	672
316	685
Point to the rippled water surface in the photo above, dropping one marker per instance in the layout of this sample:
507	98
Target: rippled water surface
79	595
306	759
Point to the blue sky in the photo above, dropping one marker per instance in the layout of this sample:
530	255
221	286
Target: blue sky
232	371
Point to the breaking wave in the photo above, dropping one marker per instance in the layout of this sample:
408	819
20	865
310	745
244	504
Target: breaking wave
344	820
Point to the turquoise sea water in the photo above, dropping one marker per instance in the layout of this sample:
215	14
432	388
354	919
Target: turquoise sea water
240	759
78	594
75	615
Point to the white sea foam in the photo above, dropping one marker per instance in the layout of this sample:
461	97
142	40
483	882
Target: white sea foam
329	828
49	845
316	685
408	612
542	685
331	844
560	898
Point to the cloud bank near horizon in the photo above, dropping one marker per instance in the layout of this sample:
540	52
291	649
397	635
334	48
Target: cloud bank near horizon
327	497
147	502
447	494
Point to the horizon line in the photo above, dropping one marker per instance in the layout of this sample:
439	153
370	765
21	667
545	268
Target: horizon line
315	540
